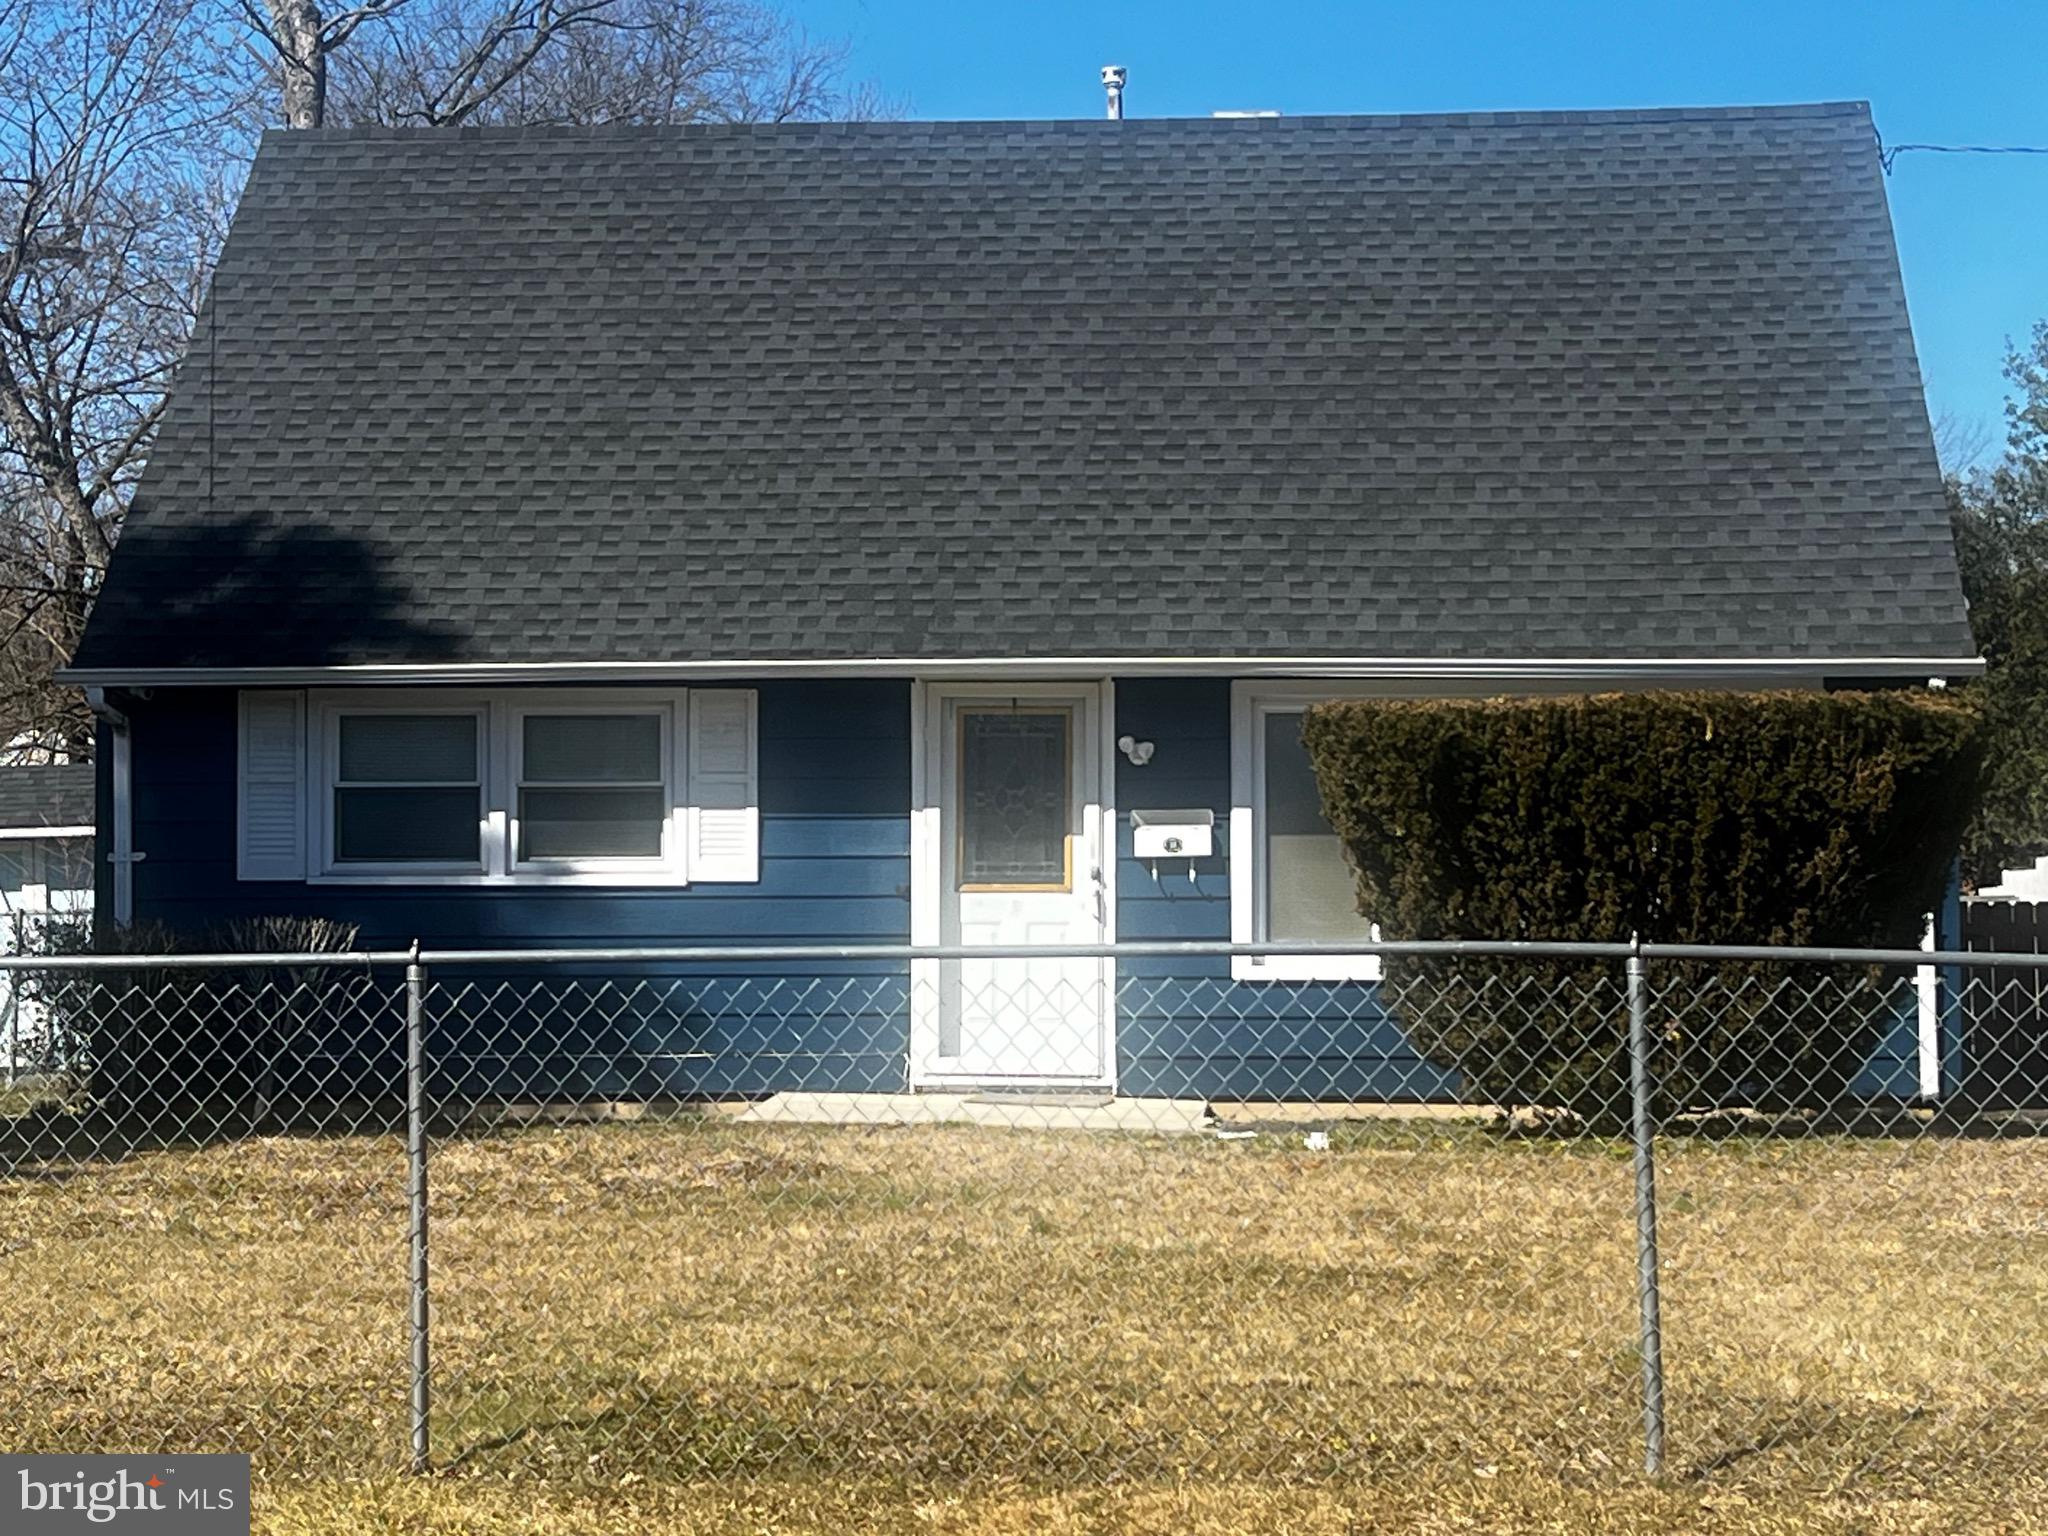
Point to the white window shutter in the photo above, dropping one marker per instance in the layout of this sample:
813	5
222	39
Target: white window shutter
270	824
724	822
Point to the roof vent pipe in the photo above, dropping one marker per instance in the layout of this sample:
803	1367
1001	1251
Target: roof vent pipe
1113	77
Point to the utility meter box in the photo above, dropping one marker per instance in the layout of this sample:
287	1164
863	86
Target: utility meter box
1173	834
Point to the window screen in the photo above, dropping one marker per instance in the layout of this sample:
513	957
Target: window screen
1311	896
591	787
407	790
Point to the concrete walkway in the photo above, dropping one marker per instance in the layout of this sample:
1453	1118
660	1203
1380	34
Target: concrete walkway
1029	1112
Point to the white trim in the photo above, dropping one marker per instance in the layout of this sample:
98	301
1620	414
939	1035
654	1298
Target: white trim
928	699
20	834
498	713
1927	991
1583	671
1106	831
925	977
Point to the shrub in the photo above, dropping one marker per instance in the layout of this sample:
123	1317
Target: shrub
1761	818
191	1050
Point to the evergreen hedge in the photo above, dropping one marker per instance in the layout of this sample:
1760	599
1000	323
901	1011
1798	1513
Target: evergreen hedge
1751	818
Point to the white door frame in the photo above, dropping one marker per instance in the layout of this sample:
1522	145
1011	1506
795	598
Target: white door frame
927	895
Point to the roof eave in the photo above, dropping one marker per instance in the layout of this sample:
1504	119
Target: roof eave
1755	671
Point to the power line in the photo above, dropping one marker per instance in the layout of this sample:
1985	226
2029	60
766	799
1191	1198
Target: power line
1888	153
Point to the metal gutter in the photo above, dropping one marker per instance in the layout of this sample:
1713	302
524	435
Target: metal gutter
1760	670
123	855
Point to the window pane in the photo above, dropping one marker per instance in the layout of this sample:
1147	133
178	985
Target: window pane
436	749
585	749
591	823
1311	896
1013	799
406	826
14	865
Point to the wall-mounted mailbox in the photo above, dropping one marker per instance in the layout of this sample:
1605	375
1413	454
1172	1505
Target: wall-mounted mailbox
1173	834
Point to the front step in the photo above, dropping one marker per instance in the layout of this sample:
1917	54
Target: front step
1044	1098
1035	1111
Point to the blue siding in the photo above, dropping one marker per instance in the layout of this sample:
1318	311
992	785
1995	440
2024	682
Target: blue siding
835	800
835	869
1184	1027
835	791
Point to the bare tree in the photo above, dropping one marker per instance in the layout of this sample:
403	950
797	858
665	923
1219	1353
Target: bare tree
605	61
113	190
125	127
453	61
437	63
1960	441
301	38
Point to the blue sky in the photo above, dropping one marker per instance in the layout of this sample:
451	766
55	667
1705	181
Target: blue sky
1972	230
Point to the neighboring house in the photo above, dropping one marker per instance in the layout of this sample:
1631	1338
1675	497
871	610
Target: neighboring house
46	878
775	534
46	840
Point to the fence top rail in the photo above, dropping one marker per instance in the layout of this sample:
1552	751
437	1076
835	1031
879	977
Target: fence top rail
1448	949
356	959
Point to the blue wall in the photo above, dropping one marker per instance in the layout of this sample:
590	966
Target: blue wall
835	869
1185	1028
835	792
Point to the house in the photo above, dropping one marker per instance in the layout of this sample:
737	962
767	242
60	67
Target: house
46	878
856	534
46	840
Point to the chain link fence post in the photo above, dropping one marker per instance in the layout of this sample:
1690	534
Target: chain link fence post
416	1196
1648	1300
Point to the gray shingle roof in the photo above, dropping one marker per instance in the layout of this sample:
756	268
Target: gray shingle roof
46	795
1632	384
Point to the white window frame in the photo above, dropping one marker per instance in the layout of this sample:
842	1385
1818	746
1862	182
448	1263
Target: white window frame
1250	705
499	740
668	713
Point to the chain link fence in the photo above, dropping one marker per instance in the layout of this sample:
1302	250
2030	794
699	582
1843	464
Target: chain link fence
32	1046
759	1213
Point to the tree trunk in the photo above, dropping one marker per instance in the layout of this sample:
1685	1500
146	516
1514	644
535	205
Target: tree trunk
303	60
57	471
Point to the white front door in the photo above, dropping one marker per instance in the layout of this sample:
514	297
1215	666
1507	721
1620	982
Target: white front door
1019	865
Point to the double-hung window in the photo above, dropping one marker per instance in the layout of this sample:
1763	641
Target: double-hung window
594	788
407	790
1290	880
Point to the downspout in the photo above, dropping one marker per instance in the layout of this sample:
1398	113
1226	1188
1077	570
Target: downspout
123	856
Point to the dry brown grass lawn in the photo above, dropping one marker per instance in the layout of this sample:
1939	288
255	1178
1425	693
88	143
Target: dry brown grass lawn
698	1325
